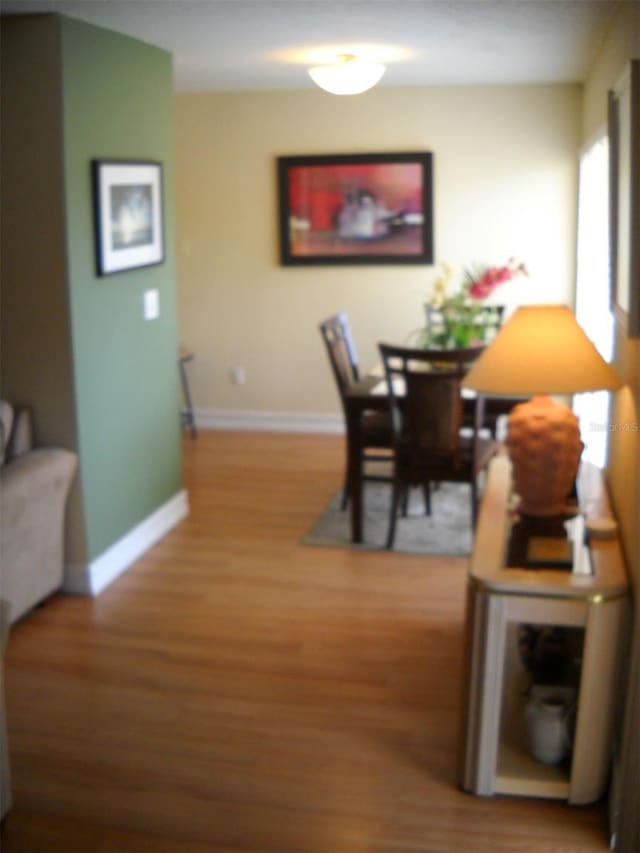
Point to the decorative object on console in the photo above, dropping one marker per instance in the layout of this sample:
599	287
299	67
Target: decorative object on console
348	75
542	350
548	654
548	715
602	528
462	317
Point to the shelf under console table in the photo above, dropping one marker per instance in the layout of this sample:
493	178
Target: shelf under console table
589	611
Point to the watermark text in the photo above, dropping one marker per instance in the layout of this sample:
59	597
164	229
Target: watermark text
621	426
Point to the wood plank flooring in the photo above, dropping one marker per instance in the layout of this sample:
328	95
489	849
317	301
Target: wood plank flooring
237	691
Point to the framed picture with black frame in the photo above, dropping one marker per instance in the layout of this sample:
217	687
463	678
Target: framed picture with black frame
624	206
356	209
128	214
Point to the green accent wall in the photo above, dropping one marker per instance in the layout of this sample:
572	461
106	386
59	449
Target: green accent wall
117	96
101	379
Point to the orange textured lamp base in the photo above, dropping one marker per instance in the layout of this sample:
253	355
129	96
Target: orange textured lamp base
545	448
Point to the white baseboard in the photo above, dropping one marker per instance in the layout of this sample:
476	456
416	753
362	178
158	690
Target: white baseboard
269	421
93	578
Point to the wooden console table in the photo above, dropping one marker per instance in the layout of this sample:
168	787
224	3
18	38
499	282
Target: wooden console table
494	757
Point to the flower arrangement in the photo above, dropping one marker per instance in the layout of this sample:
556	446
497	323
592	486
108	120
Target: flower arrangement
463	318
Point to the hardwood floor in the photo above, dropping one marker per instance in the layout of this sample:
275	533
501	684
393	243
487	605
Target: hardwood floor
237	691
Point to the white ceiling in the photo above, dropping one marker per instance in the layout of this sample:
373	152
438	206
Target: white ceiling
263	44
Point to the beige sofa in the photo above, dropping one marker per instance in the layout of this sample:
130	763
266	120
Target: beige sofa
34	486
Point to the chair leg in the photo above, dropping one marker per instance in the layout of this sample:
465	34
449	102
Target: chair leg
345	494
187	417
393	516
426	488
405	501
346	489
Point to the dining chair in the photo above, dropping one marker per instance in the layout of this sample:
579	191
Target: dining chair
437	331
187	417
426	407
375	425
492	317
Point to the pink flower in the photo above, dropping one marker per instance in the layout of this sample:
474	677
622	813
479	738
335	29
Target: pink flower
481	289
482	286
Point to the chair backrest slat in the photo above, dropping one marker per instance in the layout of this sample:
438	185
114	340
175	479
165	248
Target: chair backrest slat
433	413
426	400
341	350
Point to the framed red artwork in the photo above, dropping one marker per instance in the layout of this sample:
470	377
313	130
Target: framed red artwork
356	209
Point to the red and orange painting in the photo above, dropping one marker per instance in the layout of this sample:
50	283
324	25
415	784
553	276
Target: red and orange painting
356	209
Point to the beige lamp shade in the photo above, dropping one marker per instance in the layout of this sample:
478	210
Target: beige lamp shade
541	349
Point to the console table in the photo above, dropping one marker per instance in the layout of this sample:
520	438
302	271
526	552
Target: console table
501	600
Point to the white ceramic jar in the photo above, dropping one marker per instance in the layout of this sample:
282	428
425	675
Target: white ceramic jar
547	717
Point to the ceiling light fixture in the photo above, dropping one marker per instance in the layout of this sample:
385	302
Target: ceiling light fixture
347	76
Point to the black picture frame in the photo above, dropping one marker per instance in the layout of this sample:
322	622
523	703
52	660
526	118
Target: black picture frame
338	209
624	198
128	214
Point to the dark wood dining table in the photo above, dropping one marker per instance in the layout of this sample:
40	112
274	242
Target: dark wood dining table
364	396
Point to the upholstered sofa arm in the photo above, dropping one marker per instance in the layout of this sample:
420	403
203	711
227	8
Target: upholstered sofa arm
33	494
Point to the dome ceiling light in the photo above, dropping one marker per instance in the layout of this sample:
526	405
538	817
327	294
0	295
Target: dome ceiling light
348	76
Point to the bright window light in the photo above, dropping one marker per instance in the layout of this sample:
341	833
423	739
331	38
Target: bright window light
593	309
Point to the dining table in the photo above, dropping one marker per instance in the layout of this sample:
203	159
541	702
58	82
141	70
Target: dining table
370	394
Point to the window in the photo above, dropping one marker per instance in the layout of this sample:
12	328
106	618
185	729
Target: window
593	305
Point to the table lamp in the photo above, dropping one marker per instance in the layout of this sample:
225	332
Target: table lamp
542	350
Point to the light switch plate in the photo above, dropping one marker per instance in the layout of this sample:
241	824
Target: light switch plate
151	304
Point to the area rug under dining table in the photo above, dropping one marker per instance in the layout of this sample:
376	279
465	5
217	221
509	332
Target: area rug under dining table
446	532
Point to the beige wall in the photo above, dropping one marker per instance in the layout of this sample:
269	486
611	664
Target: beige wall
505	184
35	327
34	292
622	44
